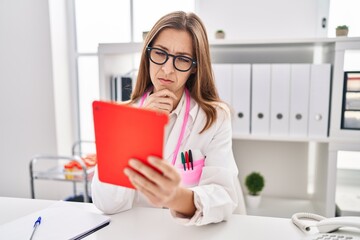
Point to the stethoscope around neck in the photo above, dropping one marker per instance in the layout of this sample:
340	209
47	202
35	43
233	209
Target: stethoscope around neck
185	121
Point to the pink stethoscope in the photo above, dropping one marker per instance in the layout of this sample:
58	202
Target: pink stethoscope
185	121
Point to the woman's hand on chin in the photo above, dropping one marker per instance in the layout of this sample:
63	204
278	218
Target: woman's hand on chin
163	100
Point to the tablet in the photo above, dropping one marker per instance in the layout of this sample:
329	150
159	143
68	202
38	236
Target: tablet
123	132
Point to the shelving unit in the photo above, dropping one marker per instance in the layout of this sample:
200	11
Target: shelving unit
341	139
336	132
299	171
52	169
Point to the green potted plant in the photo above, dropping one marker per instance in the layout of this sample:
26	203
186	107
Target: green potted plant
342	31
254	183
220	34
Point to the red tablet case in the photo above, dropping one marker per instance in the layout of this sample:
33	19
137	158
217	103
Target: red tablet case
123	132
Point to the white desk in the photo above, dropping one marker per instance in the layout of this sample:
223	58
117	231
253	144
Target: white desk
157	224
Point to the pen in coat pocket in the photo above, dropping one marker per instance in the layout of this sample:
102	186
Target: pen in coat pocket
187	160
191	159
183	160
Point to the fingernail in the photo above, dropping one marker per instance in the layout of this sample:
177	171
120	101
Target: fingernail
126	171
132	162
151	160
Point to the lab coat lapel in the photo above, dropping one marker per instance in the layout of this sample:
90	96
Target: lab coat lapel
175	133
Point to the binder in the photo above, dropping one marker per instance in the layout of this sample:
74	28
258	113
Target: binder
299	99
62	220
124	88
280	99
319	100
260	112
241	89
113	88
222	74
120	88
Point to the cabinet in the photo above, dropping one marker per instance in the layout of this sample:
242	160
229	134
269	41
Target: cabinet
338	133
343	139
299	169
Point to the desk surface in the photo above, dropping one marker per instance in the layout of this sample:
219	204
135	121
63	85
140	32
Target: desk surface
153	223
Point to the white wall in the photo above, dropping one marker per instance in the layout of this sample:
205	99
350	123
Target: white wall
256	19
27	122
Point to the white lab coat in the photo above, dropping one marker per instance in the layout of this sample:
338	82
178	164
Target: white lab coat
217	194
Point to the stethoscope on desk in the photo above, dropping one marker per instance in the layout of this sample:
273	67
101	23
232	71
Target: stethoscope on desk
185	121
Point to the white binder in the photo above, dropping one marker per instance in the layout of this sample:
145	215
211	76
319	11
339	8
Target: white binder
241	89
299	99
222	74
319	100
260	111
280	99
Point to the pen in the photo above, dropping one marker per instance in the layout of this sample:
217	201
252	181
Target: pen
187	160
191	159
183	160
36	224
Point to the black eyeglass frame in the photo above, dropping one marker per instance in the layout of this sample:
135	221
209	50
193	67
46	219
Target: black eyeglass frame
193	62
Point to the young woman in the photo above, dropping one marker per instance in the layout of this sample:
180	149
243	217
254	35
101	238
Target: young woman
199	176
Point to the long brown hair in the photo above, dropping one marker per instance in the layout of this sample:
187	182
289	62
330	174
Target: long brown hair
201	83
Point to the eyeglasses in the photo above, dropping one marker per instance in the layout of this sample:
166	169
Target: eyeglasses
160	57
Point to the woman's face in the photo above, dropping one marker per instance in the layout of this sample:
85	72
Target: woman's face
175	42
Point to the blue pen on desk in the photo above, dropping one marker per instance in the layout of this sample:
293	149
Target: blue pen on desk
36	224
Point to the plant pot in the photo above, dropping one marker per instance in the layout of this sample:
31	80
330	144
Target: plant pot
219	35
342	32
253	201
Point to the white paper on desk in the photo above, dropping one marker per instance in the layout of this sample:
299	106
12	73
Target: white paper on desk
59	221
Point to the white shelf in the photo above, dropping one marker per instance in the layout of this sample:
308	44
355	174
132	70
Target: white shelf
276	41
279	138
133	47
282	207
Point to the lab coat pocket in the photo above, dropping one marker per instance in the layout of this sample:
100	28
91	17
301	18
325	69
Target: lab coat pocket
190	174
